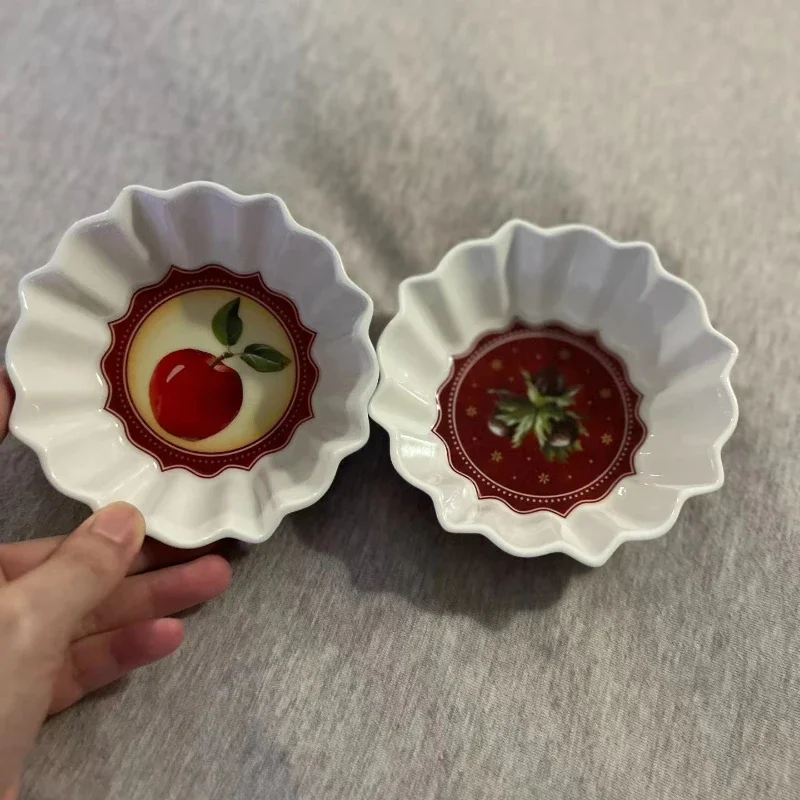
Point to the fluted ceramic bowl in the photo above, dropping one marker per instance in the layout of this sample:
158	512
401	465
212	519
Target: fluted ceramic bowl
555	391
198	354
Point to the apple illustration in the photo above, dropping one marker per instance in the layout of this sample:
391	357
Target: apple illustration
193	394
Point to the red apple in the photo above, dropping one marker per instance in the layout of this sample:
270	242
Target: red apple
193	396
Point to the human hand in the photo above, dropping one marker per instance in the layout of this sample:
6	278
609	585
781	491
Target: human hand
81	611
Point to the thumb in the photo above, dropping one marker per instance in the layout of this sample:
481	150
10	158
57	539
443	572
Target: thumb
85	568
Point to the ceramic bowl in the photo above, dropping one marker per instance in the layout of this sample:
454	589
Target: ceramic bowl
555	391
198	354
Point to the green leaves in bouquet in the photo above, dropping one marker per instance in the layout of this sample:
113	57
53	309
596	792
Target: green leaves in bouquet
264	358
541	400
227	324
543	410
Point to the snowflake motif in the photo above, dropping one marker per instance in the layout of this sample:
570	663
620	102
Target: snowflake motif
564	354
497	456
472	411
496	365
606	438
544	478
605	393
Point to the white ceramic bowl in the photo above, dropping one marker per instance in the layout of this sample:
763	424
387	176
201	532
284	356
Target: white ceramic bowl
555	391
198	354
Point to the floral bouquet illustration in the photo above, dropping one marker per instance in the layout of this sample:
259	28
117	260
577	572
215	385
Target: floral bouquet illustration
545	410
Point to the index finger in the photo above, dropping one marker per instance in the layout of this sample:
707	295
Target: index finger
20	557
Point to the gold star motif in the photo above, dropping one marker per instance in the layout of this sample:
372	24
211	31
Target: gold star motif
497	365
472	411
606	438
497	456
605	393
544	478
564	354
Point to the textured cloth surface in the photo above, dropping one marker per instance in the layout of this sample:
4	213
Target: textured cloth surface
362	652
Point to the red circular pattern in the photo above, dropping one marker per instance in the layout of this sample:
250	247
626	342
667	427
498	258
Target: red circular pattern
179	281
522	477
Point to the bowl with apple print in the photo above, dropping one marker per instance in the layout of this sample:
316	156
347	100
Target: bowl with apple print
555	391
197	353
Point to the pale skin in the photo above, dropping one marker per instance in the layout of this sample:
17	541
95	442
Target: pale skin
78	612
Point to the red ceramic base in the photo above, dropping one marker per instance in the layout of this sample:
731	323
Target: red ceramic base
541	418
209	369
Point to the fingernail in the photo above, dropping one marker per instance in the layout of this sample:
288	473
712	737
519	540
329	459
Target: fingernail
119	522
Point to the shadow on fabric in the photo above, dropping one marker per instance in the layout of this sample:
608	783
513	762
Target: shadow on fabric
387	534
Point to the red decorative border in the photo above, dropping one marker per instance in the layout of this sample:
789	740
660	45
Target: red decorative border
178	281
454	425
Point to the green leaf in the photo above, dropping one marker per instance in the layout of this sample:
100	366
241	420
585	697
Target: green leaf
511	406
263	358
541	429
515	410
534	395
227	324
522	430
551	412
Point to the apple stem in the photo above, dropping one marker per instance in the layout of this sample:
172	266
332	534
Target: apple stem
220	359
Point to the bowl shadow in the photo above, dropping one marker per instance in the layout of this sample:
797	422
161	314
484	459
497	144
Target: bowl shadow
386	533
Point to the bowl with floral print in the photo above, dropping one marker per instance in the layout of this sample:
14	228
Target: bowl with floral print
555	391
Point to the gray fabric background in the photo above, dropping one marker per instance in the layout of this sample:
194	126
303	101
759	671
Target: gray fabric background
361	652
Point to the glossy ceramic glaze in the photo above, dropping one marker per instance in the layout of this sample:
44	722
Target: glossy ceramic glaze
197	353
555	391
